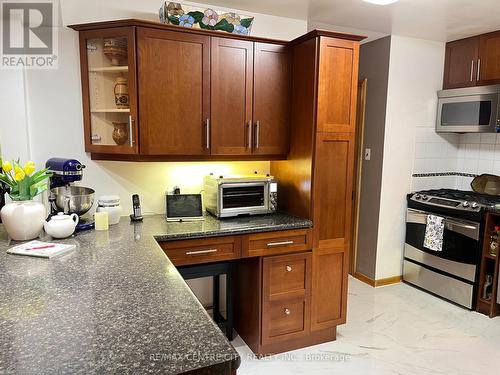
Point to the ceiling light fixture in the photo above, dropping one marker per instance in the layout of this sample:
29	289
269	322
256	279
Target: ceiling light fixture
381	2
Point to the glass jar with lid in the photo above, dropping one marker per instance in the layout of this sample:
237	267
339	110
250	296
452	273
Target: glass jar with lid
111	205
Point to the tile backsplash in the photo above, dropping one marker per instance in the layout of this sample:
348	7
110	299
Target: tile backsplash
462	153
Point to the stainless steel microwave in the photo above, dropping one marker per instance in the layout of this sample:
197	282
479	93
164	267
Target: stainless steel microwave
240	195
469	110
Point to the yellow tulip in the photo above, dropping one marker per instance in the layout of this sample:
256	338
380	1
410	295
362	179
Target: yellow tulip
29	167
19	173
6	166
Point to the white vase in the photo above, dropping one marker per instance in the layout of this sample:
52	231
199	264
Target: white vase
23	220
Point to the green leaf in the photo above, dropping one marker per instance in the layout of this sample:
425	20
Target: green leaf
246	22
224	25
37	179
198	16
5	180
173	20
206	27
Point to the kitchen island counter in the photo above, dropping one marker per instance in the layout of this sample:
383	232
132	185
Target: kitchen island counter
115	304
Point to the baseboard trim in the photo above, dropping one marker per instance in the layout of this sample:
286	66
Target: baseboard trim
376	283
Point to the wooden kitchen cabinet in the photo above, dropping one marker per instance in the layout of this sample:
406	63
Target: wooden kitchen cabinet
461	60
489	59
231	96
472	61
271	107
174	86
109	90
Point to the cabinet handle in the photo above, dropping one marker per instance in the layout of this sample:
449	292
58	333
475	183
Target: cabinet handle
249	134
257	134
289	268
287	311
208	133
478	69
283	243
201	252
130	130
472	70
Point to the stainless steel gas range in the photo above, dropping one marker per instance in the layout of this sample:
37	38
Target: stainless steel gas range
453	272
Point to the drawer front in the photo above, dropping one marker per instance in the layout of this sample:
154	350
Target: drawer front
187	252
286	276
284	320
271	243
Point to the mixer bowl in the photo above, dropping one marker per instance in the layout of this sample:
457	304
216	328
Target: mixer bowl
75	198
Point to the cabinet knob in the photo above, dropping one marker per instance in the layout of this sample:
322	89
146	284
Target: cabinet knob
287	311
288	268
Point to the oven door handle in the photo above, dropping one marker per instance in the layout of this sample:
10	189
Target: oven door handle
467	229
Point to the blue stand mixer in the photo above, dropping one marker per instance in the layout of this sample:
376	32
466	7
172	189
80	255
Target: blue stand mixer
68	198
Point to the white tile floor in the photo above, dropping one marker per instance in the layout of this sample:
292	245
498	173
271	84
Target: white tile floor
393	330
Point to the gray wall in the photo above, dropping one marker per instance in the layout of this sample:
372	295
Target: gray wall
373	65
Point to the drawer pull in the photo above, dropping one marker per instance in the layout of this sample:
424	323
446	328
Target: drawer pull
201	252
289	268
287	311
282	243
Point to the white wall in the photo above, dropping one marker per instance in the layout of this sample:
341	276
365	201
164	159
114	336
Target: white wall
42	111
415	75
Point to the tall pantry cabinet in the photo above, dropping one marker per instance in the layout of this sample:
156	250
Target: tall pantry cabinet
321	157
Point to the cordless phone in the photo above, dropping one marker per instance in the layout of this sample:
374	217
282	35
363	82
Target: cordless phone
136	207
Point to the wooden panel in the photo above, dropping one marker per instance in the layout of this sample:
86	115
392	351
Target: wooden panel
338	77
329	293
271	106
175	94
333	189
271	243
286	276
460	63
84	36
283	319
231	96
295	174
489	59
203	250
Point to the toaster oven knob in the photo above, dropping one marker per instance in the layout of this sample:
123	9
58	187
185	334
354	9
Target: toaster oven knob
424	197
465	204
418	196
474	204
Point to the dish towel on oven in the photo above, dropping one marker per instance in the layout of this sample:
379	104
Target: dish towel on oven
434	230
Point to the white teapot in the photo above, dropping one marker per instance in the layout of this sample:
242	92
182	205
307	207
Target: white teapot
61	225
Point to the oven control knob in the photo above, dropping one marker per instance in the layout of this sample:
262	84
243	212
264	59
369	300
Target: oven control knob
418	196
465	204
474	204
424	197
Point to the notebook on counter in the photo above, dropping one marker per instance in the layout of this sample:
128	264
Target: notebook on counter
41	249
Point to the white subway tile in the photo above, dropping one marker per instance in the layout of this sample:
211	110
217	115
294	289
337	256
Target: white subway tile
497	138
488	138
461	151
460	165
472	138
485	166
419	166
420	150
496	167
497	152
472	151
470	165
487	152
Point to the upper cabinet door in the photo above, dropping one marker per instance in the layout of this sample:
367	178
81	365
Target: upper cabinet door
174	82
337	83
109	90
271	106
460	68
489	59
231	96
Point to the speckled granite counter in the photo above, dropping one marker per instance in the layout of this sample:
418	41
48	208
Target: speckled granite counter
116	304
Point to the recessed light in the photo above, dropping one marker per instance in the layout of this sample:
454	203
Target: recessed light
381	2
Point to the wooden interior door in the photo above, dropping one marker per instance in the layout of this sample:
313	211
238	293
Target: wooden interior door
271	99
338	79
231	96
489	59
460	63
174	82
332	188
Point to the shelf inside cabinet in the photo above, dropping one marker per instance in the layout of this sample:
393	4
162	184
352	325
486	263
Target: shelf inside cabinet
109	69
111	110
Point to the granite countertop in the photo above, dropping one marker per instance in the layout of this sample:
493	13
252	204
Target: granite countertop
115	304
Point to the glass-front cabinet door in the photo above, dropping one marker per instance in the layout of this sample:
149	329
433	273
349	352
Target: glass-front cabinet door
109	90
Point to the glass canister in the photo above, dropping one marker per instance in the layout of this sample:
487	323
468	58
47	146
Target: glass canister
111	205
494	241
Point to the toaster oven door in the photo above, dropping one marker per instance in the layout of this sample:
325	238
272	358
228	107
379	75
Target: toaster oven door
243	198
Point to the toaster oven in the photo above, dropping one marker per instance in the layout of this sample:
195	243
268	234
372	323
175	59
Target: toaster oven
240	195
